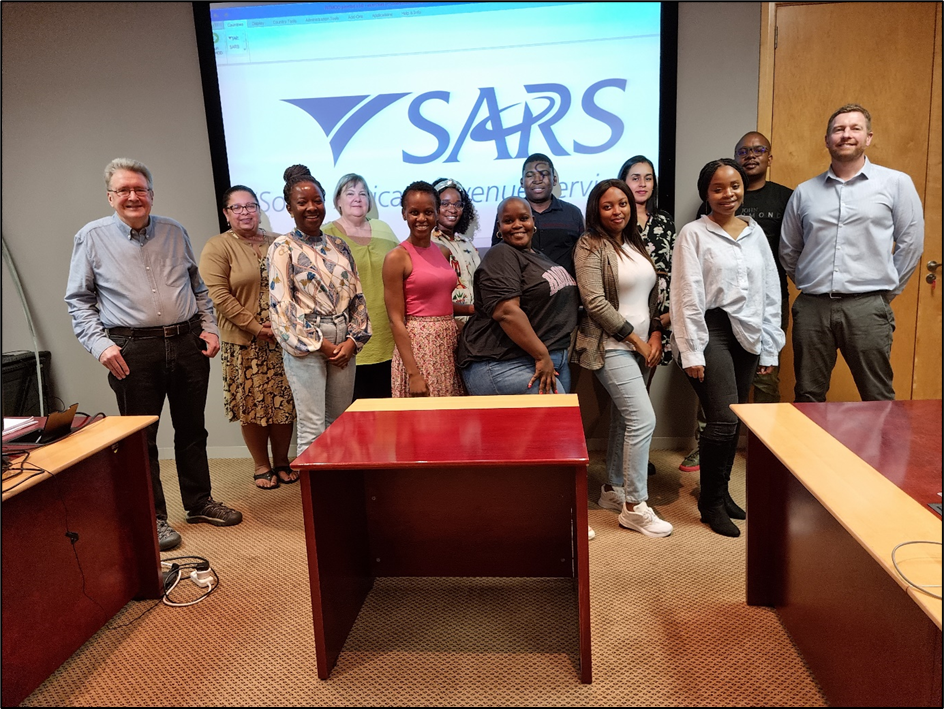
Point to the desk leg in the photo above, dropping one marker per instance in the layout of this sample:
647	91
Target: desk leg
766	524
338	557
582	557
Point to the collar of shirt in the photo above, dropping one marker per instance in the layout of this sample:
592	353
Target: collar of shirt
866	172
555	206
308	238
715	228
140	236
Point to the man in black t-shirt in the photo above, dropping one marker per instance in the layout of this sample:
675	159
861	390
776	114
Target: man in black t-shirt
559	223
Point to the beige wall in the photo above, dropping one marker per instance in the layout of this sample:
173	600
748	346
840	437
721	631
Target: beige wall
86	82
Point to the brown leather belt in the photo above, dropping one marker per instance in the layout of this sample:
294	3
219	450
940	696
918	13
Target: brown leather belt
180	328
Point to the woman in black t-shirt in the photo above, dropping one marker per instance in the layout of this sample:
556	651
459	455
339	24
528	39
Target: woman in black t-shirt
525	314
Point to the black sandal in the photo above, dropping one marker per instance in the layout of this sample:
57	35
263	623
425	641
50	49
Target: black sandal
269	476
288	470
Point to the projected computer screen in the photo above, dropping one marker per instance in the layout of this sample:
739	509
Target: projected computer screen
399	92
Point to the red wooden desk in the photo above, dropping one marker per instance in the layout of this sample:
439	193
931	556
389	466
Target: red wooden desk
464	486
101	491
831	489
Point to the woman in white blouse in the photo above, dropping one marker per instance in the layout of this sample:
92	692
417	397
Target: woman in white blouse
317	309
725	310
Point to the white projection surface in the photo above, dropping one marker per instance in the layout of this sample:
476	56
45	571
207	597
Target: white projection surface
399	92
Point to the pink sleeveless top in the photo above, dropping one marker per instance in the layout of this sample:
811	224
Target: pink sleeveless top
428	289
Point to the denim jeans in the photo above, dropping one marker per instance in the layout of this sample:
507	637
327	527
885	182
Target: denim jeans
511	376
632	423
322	391
174	368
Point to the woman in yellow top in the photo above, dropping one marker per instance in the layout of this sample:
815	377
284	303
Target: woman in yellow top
255	390
370	240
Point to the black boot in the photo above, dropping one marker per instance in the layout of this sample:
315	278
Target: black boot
711	501
730	506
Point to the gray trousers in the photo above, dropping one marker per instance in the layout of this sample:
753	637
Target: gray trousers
860	327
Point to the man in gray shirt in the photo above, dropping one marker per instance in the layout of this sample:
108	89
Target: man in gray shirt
139	306
851	239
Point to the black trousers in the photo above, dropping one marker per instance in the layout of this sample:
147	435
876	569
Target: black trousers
729	373
174	368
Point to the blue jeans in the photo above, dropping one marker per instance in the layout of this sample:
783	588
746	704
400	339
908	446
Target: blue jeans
174	368
632	423
511	376
322	391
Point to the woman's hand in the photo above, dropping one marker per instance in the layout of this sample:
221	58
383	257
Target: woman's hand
666	320
418	386
342	354
328	349
696	372
266	332
545	375
655	349
764	370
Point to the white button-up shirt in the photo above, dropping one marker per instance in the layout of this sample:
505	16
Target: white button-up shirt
859	236
712	270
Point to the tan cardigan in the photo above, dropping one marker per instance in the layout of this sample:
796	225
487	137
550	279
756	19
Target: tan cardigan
230	268
596	279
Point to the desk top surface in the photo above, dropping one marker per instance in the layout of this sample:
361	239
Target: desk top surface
61	454
867	502
454	431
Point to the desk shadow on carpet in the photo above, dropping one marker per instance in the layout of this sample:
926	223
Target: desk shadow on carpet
468	615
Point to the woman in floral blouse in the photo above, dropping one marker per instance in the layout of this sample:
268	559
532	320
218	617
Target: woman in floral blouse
452	235
317	309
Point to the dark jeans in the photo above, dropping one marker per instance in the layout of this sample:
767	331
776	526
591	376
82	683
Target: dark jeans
860	327
729	372
175	368
372	381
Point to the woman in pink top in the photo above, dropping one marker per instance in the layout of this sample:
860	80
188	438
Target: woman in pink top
418	285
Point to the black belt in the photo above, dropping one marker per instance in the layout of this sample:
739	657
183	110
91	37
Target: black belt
840	296
180	328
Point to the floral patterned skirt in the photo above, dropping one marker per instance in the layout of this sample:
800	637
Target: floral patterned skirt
434	342
255	389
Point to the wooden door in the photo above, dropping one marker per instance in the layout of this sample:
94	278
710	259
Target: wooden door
880	55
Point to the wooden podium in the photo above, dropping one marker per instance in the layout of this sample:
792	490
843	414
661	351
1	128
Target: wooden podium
97	486
461	486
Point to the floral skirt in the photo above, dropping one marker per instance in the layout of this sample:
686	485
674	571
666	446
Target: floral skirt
255	389
434	342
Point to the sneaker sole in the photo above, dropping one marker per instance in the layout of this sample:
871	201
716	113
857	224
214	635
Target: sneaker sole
607	505
646	532
168	545
212	520
689	468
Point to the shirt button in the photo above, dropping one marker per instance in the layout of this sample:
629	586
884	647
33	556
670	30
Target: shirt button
153	290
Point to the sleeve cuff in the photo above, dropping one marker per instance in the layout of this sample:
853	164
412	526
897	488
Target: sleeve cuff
693	359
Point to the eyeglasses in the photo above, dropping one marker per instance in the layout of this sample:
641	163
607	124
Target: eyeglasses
451	205
252	208
758	150
126	191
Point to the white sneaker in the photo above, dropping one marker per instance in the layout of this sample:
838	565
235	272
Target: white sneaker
644	519
591	532
612	499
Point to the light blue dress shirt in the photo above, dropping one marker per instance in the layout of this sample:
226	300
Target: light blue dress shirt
122	278
859	236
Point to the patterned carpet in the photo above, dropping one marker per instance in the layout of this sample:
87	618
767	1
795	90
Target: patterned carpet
669	623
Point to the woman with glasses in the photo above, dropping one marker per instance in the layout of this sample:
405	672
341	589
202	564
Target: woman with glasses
255	390
319	314
725	325
456	214
370	240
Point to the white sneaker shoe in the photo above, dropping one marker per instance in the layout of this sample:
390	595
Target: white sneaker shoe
612	499
643	519
592	534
